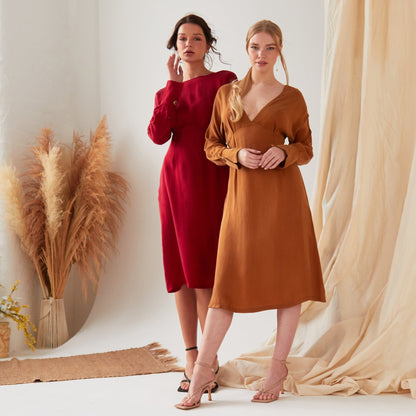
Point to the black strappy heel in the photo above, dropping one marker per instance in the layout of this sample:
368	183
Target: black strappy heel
186	379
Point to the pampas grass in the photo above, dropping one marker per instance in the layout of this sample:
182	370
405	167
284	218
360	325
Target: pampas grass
12	193
66	208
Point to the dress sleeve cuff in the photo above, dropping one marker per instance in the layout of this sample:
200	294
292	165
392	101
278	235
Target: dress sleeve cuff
173	92
290	156
229	156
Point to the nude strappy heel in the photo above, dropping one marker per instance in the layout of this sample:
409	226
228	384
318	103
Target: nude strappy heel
186	379
199	391
269	390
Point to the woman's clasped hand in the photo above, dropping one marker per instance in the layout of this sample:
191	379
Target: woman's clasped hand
254	159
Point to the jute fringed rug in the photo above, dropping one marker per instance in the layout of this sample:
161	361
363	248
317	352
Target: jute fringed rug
145	360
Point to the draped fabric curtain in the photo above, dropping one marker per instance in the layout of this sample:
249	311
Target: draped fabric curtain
363	339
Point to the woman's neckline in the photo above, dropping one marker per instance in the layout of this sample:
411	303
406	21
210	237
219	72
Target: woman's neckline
285	87
201	76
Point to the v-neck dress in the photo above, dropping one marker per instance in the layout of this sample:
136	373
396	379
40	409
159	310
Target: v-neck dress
267	253
192	189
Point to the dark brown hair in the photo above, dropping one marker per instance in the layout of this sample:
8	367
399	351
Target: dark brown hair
196	20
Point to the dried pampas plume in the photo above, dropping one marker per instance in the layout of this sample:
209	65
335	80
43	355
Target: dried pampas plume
66	208
51	188
12	193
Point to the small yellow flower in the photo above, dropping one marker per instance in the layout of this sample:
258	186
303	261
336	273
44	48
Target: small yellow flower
10	308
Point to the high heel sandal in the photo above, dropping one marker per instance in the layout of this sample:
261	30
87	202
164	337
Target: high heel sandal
186	379
199	391
215	384
269	390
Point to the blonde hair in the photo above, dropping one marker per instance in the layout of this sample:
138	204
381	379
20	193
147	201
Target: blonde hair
240	88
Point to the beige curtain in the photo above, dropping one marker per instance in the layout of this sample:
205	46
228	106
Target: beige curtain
363	340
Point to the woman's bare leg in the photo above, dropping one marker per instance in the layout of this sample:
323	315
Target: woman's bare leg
192	305
287	323
203	296
186	305
216	326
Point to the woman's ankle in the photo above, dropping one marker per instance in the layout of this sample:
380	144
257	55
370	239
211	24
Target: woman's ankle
191	355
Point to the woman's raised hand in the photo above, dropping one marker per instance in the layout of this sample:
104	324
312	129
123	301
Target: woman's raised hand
272	158
175	71
250	158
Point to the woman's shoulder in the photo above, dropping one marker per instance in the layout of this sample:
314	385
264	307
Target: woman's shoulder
295	96
294	92
225	76
224	91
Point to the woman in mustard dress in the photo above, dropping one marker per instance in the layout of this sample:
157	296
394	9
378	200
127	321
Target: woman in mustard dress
267	253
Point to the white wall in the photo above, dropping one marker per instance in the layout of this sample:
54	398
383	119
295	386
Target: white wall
68	62
48	78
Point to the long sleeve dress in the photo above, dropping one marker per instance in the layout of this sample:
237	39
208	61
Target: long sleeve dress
267	253
192	189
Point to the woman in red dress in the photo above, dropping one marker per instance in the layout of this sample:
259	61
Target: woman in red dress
192	189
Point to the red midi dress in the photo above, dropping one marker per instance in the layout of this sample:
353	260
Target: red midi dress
192	189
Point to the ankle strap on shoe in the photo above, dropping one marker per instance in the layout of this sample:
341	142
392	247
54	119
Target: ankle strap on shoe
283	362
205	365
191	348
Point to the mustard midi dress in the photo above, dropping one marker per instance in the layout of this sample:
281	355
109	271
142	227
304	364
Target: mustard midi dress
267	253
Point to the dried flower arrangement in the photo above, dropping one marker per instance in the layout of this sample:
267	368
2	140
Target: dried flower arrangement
66	208
11	308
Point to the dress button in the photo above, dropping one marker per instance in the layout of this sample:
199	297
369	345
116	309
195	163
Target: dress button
175	102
